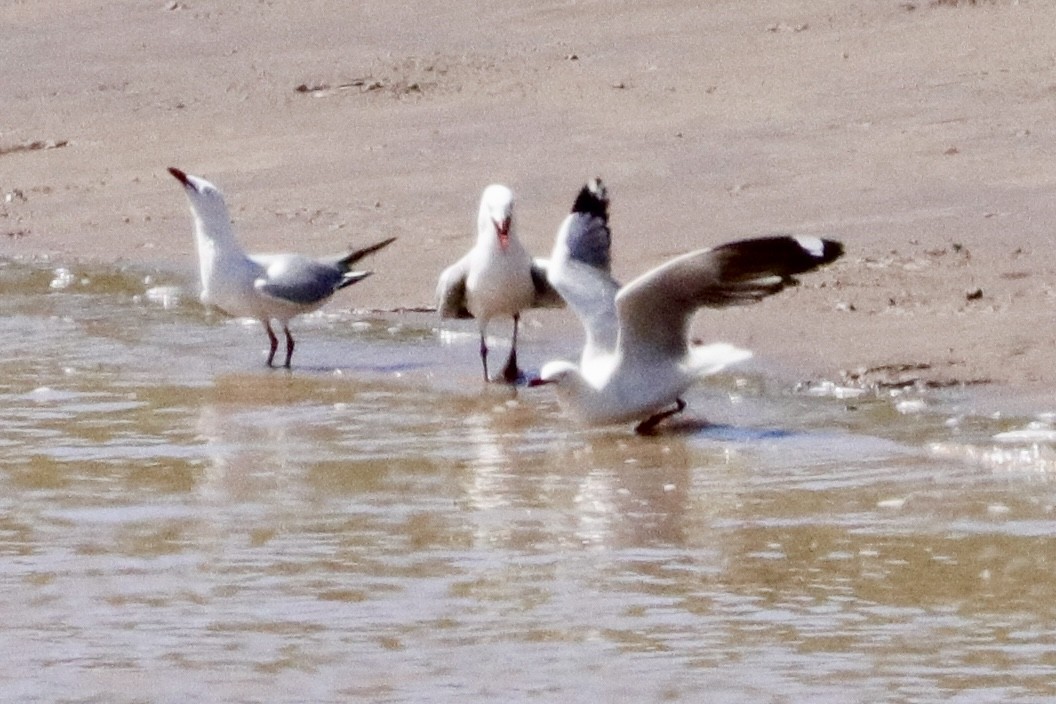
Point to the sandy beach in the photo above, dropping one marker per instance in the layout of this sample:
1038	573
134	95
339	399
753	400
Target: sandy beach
919	133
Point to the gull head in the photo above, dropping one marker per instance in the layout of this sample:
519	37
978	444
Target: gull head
207	202
496	216
573	391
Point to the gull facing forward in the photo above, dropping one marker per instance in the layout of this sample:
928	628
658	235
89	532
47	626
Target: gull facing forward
637	360
262	286
497	277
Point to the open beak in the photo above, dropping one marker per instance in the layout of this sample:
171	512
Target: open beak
502	229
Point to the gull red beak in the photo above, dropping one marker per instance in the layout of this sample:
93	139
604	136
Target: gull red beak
502	229
181	177
539	381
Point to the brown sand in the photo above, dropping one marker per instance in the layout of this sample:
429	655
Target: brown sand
920	133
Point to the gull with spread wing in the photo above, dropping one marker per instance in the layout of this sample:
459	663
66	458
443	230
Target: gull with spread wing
637	360
262	286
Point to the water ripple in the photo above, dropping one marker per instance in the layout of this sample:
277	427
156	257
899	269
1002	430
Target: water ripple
182	524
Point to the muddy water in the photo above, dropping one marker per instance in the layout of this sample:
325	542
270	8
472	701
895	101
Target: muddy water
178	523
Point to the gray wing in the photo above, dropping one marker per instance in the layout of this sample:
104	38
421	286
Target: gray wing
451	290
582	238
587	239
655	309
580	264
297	279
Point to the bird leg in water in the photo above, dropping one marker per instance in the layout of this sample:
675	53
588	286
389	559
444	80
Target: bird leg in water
647	426
484	356
273	340
289	346
510	372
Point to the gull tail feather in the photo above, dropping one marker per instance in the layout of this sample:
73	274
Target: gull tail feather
712	359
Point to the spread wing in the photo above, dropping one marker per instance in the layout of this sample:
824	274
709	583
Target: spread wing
588	240
655	309
579	268
583	238
591	294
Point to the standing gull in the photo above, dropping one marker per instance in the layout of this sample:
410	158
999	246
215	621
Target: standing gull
262	286
637	360
497	277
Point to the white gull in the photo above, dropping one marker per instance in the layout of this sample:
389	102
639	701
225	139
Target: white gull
496	278
637	360
262	286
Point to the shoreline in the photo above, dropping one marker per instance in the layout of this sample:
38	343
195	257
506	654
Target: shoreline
917	135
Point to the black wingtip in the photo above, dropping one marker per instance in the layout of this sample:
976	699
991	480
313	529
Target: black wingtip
813	251
593	199
778	255
354	256
831	250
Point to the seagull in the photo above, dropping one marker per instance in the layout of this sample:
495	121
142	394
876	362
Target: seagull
262	286
496	278
637	360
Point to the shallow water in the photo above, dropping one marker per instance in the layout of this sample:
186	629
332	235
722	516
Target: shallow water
179	523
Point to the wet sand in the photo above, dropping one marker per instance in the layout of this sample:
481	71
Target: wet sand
919	133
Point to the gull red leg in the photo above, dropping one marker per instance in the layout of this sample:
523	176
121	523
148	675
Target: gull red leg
289	346
484	356
647	426
273	340
510	372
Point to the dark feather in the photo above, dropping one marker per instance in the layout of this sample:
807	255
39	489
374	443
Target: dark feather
352	257
593	199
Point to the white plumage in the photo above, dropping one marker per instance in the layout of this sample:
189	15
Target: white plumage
266	287
636	360
496	278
